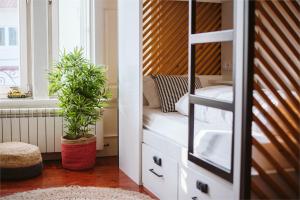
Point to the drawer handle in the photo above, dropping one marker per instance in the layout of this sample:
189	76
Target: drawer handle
156	174
202	187
157	160
195	198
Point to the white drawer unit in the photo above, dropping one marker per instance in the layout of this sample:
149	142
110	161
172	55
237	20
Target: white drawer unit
160	174
196	186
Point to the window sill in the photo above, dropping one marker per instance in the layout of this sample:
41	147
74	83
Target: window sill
27	103
7	103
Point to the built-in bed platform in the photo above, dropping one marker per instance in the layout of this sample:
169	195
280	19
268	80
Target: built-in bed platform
172	125
166	170
165	164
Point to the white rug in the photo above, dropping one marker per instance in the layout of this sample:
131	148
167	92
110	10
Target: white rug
77	193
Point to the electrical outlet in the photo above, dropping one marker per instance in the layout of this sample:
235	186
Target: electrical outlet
227	67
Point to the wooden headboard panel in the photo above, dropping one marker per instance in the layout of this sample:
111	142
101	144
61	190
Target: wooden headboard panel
165	37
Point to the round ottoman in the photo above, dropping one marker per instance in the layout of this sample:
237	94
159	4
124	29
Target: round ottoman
19	160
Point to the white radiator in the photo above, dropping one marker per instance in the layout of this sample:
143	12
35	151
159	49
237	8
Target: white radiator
39	126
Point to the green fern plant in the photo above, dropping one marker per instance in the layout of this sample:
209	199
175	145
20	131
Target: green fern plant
82	91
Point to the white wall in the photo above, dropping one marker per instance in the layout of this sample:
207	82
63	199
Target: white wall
238	62
130	92
106	49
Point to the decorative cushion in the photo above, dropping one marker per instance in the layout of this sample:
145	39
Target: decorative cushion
150	92
171	88
19	160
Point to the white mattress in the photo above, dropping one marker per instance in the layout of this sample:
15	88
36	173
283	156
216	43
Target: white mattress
174	126
212	142
171	125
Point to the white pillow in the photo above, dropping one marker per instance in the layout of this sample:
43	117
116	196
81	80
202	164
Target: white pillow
205	113
150	92
212	115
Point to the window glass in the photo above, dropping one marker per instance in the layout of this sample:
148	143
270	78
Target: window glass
12	36
2	36
74	23
9	53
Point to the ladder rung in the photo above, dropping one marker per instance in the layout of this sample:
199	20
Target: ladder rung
216	36
224	105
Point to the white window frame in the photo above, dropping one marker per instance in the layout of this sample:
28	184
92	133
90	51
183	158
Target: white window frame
39	49
54	32
4	31
22	41
49	45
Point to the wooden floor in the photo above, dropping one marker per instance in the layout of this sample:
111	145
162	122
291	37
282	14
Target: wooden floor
105	174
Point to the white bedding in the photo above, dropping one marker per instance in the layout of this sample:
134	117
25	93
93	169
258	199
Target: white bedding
218	116
212	142
213	127
205	113
174	126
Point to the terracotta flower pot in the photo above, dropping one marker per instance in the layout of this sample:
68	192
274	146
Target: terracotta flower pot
78	154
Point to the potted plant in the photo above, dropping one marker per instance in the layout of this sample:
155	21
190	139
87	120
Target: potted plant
82	91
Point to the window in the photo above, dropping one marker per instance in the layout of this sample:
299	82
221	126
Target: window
74	21
12	36
10	50
55	25
2	36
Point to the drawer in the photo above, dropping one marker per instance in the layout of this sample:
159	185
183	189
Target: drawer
160	173
196	186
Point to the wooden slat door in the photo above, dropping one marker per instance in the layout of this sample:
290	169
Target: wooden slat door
276	101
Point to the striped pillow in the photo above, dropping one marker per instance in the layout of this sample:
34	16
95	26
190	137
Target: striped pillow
171	88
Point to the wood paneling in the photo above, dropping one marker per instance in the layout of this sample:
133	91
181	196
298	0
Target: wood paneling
165	37
277	72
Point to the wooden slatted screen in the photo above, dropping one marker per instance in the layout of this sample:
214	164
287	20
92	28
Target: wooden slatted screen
276	81
165	37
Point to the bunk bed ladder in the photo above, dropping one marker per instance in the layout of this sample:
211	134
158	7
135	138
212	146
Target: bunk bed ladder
202	38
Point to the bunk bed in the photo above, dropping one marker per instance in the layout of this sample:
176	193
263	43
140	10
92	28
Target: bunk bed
166	170
173	165
158	44
165	143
